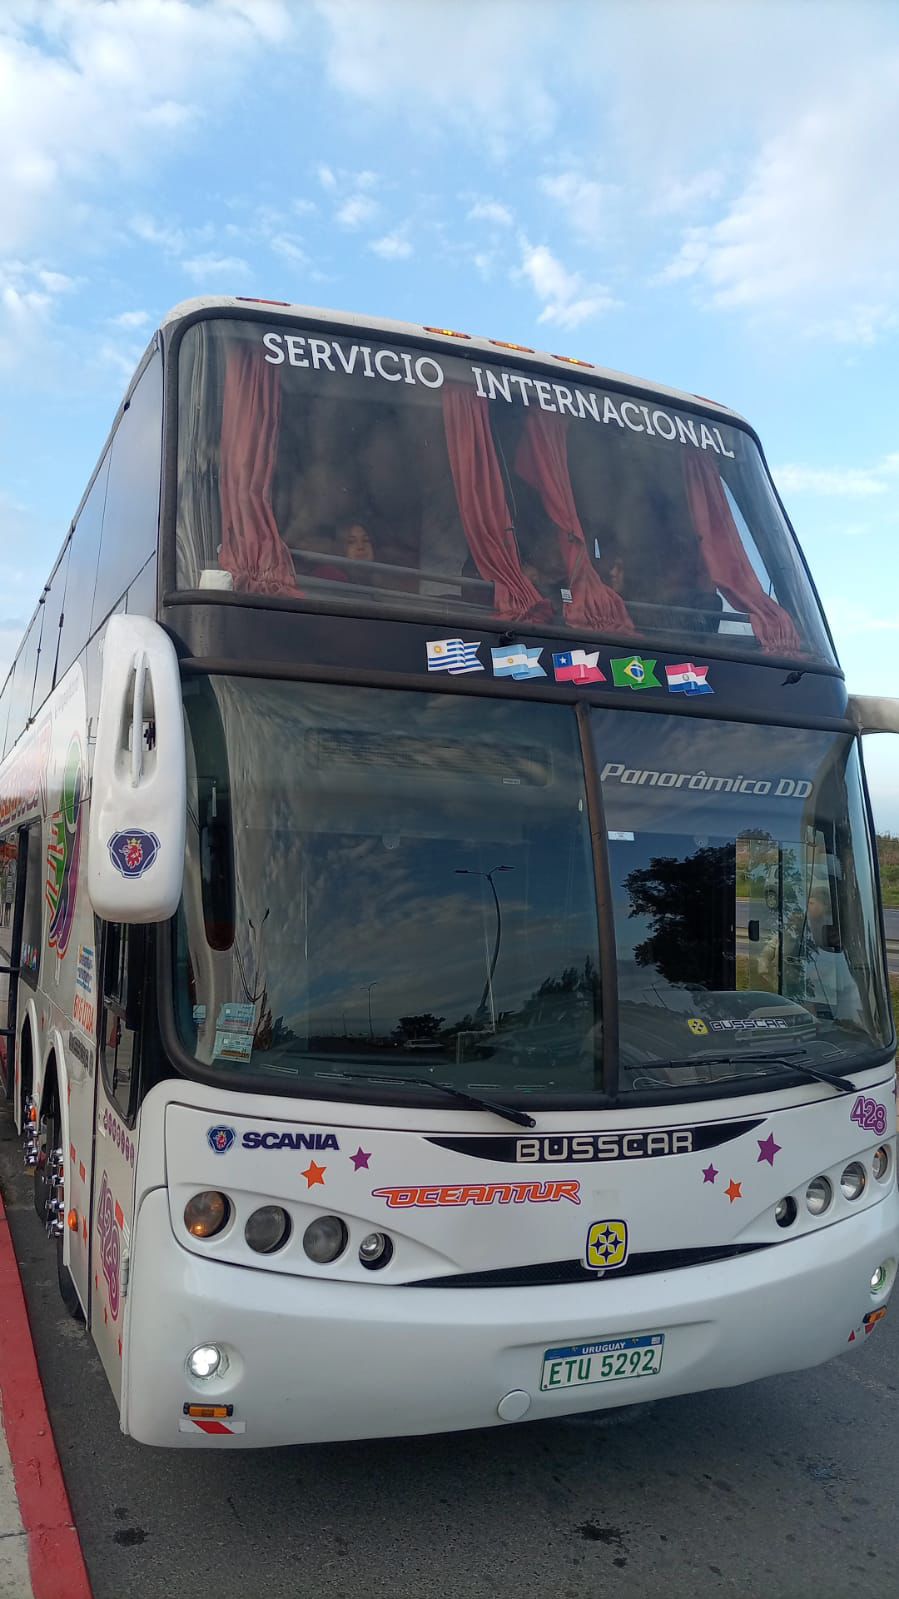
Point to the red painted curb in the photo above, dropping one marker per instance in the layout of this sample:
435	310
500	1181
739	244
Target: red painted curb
54	1549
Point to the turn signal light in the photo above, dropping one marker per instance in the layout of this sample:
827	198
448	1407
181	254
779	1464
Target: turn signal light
209	1412
72	1221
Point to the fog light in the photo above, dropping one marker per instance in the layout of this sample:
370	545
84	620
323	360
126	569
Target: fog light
207	1361
267	1229
375	1251
818	1195
880	1278
785	1211
853	1180
880	1164
206	1214
325	1239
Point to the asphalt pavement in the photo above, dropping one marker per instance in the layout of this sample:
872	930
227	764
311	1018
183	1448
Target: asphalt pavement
783	1489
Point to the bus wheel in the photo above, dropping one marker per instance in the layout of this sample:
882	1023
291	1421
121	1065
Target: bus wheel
50	1199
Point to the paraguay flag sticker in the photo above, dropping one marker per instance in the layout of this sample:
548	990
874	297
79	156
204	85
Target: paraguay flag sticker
688	679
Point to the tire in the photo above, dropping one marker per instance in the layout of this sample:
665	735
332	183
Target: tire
50	1138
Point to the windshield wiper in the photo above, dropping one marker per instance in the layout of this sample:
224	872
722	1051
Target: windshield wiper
473	1101
783	1057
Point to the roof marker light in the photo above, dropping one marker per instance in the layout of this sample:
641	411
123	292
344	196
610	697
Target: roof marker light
573	361
450	333
250	299
503	344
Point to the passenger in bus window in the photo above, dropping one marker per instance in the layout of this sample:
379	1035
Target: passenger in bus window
354	543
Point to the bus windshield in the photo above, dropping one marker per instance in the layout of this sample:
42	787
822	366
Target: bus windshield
400	885
356	474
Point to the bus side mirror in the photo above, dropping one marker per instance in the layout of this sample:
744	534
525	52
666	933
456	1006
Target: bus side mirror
874	713
138	804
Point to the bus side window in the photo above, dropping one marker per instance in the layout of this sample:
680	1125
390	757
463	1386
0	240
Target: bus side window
32	926
124	959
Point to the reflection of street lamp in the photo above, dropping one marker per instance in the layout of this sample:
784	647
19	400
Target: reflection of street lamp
464	871
371	985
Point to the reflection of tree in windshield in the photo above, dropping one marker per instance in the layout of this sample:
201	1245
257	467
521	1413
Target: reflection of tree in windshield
689	906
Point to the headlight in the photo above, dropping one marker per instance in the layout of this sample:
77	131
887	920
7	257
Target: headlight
206	1214
880	1164
785	1211
375	1251
880	1279
267	1229
818	1195
853	1180
325	1239
207	1361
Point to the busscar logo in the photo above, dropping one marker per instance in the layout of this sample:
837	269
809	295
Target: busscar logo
220	1139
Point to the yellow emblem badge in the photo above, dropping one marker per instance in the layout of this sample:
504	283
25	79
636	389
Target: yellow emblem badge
697	1025
606	1245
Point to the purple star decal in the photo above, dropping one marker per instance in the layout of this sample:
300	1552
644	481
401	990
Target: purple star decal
709	1173
767	1149
361	1158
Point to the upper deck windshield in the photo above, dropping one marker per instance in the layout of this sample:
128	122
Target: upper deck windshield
387	885
364	475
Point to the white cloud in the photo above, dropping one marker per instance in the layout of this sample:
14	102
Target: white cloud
171	240
131	319
204	267
326	177
392	247
675	195
356	211
491	211
586	204
815	229
850	482
91	91
568	299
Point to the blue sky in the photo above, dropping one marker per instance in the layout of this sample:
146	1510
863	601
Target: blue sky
702	194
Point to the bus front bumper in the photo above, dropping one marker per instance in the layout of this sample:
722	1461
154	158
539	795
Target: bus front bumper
313	1361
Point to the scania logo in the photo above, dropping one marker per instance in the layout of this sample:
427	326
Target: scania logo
220	1139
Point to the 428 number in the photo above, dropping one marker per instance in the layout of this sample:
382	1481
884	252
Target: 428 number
869	1115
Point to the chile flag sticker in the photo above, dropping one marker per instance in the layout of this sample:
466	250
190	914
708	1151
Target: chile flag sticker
133	853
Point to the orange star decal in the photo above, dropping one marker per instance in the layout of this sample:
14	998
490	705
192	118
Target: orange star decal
314	1174
734	1190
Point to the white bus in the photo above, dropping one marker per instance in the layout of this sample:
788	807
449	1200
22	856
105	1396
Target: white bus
445	962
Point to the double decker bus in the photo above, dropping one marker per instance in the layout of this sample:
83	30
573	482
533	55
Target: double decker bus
441	927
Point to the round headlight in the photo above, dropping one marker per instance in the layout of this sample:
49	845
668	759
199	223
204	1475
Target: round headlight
206	1214
207	1361
267	1229
880	1163
880	1278
375	1251
853	1180
325	1239
818	1195
785	1211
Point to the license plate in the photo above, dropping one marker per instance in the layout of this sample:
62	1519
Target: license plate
604	1360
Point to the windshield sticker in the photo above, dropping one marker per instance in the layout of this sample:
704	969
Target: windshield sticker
785	788
236	1016
577	666
634	671
768	1149
491	383
234	1031
621	838
553	1149
133	853
361	1159
518	662
479	1194
697	1026
688	679
734	1190
453	655
606	1245
868	1114
314	1174
232	1046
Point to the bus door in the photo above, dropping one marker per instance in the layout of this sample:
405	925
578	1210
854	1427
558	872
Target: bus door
123	962
13	862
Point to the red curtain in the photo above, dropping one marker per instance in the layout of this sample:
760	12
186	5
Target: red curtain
542	460
726	560
252	548
483	506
